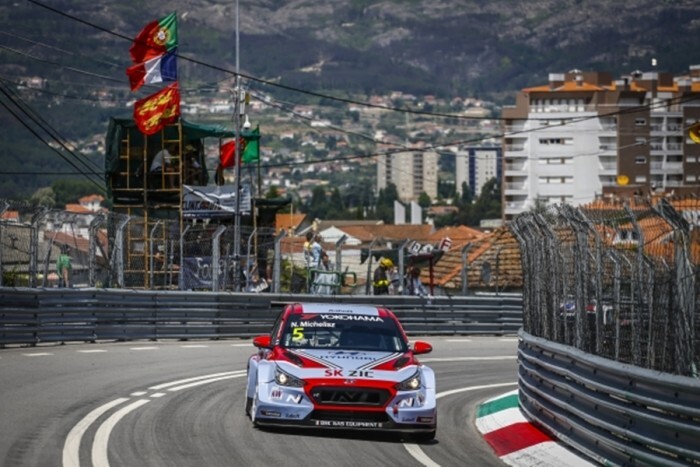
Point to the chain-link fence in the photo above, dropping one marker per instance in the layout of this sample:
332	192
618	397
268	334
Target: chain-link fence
618	281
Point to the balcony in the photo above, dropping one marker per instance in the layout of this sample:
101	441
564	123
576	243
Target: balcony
515	168
515	188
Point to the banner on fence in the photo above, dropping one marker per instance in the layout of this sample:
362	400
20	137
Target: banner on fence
204	202
197	272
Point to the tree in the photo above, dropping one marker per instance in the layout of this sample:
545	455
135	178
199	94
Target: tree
70	191
488	205
44	197
272	192
424	200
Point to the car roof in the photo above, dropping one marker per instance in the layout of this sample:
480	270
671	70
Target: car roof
338	308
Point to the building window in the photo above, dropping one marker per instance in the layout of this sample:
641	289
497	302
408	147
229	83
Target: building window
691	160
640	122
640	179
640	160
691	178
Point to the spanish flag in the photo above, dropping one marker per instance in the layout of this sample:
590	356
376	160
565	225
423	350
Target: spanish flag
694	132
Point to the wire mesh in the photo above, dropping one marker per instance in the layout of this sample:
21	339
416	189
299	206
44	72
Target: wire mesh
616	280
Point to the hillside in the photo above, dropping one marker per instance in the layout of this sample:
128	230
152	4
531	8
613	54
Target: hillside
470	48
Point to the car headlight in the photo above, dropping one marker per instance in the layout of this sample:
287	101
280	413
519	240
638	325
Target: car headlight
285	379
410	384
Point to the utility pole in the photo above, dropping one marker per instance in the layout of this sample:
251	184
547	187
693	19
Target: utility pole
237	148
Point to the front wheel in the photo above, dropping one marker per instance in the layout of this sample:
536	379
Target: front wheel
424	436
254	406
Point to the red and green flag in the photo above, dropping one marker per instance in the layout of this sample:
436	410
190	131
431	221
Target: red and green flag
251	153
156	38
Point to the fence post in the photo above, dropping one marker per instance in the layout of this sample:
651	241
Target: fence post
181	278
368	282
637	281
92	253
34	247
248	268
338	256
216	256
402	274
465	267
277	262
151	264
5	207
117	260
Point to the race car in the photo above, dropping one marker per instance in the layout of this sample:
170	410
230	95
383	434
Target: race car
341	366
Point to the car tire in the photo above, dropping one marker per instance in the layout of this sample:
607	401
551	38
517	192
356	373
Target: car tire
248	404
254	407
425	436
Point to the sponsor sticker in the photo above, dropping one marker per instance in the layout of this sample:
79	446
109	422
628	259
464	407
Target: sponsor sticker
348	424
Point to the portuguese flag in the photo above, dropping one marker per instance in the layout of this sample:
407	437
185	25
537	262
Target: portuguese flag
156	38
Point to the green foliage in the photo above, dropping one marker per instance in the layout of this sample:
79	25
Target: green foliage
71	190
424	200
44	197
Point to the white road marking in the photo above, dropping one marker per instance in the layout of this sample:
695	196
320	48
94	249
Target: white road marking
506	339
92	351
468	359
458	340
138	393
143	348
71	448
99	445
156	395
206	381
416	452
197	378
37	354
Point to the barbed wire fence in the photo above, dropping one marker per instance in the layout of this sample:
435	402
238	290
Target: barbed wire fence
618	281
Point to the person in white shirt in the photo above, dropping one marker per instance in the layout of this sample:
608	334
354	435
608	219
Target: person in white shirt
163	163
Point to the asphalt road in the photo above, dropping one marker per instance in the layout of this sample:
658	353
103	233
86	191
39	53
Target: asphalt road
181	404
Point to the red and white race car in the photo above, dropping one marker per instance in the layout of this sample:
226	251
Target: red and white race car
341	366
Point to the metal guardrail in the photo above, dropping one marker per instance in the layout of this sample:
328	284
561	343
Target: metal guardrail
33	316
615	413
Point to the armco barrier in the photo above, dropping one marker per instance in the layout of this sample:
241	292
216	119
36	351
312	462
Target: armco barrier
617	414
32	316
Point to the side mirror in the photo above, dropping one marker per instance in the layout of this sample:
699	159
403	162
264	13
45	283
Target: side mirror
262	342
421	347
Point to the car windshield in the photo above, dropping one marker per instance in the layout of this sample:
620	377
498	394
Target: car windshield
347	332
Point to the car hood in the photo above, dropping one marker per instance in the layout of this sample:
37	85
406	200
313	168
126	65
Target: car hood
346	359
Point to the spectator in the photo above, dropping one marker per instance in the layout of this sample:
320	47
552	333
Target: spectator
326	278
163	163
64	267
316	251
415	286
380	280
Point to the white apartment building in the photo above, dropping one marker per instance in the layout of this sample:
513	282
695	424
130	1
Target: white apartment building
584	135
412	171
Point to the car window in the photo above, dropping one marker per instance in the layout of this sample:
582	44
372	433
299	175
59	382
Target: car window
347	332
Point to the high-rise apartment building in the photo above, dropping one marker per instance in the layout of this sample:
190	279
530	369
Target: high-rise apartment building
584	135
412	171
476	165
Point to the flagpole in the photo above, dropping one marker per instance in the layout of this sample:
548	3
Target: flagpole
237	129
